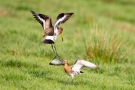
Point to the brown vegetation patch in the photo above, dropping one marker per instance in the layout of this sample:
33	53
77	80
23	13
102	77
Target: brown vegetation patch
124	26
2	13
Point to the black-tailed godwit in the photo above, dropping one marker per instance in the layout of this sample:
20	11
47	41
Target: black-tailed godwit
75	69
51	32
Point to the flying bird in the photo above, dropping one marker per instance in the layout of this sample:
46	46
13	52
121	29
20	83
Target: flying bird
75	69
51	32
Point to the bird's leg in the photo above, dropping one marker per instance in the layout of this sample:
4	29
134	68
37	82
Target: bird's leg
72	81
68	79
54	49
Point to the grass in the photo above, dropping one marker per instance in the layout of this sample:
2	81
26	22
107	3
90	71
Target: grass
24	61
107	48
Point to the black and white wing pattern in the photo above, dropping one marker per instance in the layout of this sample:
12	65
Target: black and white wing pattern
79	64
62	18
41	18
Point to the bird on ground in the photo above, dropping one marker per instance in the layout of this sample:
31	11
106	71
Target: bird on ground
51	32
75	69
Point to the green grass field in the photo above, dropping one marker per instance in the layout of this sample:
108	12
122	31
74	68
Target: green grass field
100	31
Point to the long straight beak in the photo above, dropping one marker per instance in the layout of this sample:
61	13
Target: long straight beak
61	36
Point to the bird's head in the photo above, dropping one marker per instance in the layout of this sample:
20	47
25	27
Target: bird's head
60	30
65	61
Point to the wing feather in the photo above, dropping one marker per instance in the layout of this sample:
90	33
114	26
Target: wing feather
79	64
41	18
62	18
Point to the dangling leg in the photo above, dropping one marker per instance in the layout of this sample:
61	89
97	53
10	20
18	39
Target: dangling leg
54	49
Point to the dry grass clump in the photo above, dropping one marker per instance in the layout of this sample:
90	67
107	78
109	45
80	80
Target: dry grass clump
105	47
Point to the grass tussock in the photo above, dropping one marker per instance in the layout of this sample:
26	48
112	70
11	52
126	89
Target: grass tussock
106	47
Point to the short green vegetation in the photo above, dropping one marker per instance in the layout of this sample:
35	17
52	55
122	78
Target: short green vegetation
100	31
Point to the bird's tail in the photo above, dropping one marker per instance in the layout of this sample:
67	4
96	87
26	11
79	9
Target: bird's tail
48	41
81	72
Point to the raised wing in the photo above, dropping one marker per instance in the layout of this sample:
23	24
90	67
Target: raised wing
82	63
62	18
44	20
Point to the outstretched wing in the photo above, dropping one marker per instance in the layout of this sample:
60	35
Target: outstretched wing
62	18
79	64
44	20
